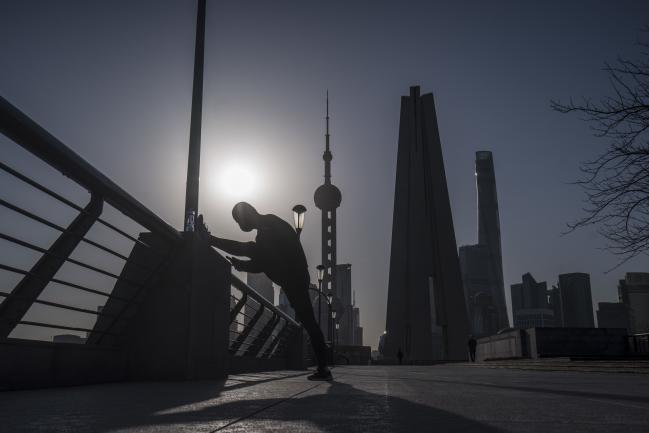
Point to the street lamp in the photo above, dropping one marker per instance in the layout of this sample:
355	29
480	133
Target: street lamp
321	270
330	298
298	218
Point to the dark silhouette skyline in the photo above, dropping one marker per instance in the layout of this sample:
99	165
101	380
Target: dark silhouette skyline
113	81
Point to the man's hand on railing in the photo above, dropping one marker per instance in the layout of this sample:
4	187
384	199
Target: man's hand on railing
201	228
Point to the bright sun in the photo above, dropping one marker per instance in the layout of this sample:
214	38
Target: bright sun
237	180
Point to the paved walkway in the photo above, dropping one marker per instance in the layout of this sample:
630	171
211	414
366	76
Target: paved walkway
361	399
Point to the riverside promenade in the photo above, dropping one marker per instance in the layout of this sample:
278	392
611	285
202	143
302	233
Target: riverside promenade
443	398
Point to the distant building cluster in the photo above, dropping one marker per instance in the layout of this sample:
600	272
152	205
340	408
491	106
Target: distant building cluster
569	304
632	309
350	331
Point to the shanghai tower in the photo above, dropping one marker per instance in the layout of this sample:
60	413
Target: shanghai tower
426	313
482	264
489	230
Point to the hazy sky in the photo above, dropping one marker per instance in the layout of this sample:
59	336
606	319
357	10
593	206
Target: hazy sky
112	80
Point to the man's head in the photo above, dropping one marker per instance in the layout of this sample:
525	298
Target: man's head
245	215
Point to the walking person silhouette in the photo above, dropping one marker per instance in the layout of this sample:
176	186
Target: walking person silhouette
278	253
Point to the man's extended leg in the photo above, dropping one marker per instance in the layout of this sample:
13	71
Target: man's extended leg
299	299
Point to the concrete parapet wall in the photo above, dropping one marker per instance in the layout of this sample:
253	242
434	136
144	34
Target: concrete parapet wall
177	330
35	364
353	355
507	345
553	342
181	329
556	342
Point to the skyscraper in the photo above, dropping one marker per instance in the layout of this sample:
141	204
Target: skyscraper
478	285
554	299
633	291
481	264
576	300
489	230
530	305
344	306
426	312
613	315
358	329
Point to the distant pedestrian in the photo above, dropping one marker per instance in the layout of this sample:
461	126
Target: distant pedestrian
400	356
472	345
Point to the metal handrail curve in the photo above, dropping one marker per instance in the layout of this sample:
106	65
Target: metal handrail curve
32	137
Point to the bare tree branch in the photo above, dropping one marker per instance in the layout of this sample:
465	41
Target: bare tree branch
616	183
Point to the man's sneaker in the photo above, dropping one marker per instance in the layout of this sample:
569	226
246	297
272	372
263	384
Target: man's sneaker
321	375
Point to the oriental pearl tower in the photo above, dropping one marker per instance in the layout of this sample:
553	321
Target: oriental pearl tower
327	198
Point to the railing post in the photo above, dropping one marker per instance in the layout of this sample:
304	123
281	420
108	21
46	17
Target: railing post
30	287
181	328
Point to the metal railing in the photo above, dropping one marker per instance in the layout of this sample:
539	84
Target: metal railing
257	327
80	249
77	271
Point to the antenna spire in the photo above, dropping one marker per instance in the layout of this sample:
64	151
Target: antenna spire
327	157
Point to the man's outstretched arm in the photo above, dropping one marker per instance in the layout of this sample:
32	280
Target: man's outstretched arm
233	247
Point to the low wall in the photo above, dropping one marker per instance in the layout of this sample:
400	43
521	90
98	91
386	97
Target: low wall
35	364
507	345
353	355
555	342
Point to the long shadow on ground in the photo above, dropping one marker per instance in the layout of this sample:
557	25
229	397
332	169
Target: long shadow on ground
187	406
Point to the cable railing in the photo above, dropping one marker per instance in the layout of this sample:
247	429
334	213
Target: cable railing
258	328
68	271
78	255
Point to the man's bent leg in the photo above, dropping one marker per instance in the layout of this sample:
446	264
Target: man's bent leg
299	299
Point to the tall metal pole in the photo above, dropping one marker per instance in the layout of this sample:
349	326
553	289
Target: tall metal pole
319	303
194	159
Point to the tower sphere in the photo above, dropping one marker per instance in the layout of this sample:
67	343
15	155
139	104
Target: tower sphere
327	197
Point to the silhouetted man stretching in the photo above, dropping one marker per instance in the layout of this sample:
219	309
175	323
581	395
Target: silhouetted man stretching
277	252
